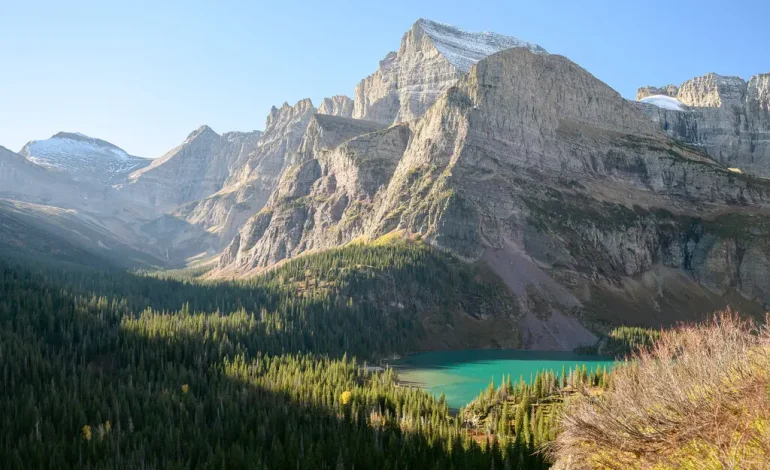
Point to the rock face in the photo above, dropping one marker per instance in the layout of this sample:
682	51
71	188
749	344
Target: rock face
534	167
195	169
83	158
432	57
536	160
339	105
206	225
727	117
324	195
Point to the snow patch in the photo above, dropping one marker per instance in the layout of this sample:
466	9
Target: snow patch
464	49
665	102
56	146
82	156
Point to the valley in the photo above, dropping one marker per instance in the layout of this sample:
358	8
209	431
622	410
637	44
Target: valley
483	252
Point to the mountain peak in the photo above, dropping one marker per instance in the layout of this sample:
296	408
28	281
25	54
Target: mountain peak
72	143
463	49
202	130
432	56
72	135
85	139
84	157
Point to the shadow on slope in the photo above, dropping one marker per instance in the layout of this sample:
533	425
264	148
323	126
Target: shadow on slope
57	234
89	383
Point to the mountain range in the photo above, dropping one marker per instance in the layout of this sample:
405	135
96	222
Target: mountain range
594	210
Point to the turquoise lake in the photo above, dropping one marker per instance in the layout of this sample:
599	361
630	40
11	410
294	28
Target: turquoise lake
462	375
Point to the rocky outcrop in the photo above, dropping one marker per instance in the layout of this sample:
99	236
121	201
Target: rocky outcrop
339	105
432	57
284	131
324	196
725	116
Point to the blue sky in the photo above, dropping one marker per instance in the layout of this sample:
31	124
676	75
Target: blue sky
143	75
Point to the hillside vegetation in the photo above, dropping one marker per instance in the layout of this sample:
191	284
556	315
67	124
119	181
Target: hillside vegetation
525	416
698	398
105	369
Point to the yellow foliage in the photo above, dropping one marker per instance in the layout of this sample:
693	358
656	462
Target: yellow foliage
185	388
389	238
87	432
345	397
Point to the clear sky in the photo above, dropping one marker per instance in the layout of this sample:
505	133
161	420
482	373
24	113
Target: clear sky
143	75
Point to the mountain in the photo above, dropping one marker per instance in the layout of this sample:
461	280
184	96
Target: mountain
46	213
324	194
24	180
210	211
727	117
432	57
590	207
83	158
205	189
530	165
196	168
427	47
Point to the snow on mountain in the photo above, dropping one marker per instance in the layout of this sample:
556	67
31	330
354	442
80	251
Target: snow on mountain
463	49
430	60
84	158
665	102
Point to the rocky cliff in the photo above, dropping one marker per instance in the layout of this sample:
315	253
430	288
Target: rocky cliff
534	167
324	196
206	225
431	58
726	117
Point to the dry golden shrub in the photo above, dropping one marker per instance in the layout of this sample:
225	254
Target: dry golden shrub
698	399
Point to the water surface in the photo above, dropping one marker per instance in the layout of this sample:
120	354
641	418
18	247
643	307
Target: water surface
462	375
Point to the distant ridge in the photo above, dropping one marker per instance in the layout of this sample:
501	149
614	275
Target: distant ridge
84	158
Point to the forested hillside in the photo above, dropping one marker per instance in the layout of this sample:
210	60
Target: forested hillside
102	368
106	369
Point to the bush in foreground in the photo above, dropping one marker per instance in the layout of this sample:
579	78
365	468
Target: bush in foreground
699	398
